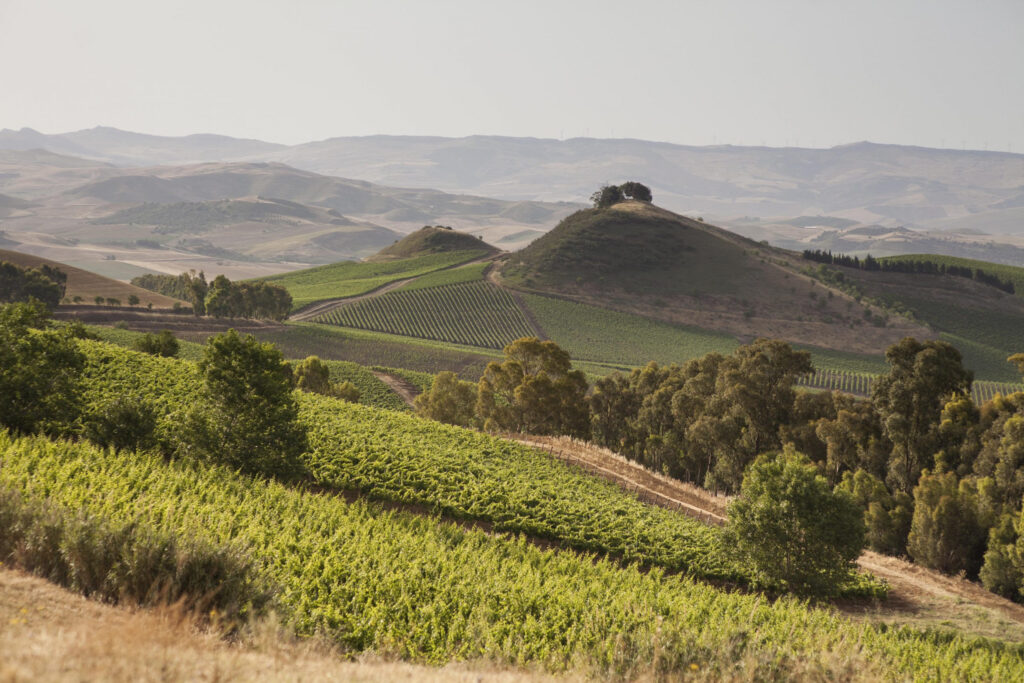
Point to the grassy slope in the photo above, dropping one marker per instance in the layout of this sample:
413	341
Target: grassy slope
453	276
89	285
350	278
432	240
1014	274
637	258
370	579
472	313
433	592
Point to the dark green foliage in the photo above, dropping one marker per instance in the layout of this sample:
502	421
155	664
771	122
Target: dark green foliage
923	376
945	533
535	390
247	418
887	516
606	196
39	372
634	190
162	344
125	562
45	283
449	400
125	422
917	265
260	300
1003	568
704	421
792	528
313	376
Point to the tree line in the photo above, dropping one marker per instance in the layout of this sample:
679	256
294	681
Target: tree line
222	298
934	476
918	267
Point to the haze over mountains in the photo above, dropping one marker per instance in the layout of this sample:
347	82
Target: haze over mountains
858	198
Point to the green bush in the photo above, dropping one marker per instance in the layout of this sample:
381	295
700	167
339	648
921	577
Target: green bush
247	417
163	344
792	528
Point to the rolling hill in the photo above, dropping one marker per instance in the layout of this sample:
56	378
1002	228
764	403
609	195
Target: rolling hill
638	258
239	217
433	239
89	285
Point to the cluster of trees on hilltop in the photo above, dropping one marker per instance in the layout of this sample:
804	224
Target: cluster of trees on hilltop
222	298
935	476
45	283
613	194
915	266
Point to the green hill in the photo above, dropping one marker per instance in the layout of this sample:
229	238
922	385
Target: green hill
1014	274
431	239
638	258
614	591
350	278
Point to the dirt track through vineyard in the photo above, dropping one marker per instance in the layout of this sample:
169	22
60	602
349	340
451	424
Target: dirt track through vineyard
917	595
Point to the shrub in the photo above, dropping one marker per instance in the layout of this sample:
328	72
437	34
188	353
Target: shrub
126	562
247	418
449	400
39	372
792	528
162	344
124	423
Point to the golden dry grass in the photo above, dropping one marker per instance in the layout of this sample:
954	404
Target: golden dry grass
50	634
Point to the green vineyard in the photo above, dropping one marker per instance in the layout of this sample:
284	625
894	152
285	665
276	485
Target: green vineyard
471	313
860	384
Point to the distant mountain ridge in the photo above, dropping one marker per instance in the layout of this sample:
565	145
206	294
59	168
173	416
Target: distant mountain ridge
865	182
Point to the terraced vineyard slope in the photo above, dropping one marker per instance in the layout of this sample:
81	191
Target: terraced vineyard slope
350	278
471	313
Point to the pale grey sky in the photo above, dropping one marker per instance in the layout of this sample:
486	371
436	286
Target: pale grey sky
784	72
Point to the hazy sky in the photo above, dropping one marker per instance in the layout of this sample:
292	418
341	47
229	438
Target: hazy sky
776	72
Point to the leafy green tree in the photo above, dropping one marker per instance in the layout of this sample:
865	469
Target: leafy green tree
98	300
887	516
133	300
853	439
792	528
113	301
922	377
313	376
449	400
945	533
46	284
1003	569
535	390
162	344
635	190
606	196
248	418
39	372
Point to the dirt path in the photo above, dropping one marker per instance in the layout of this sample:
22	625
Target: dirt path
918	596
406	390
319	308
